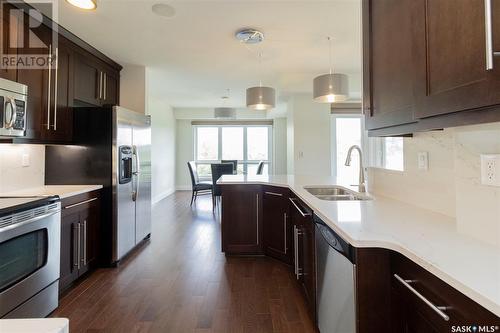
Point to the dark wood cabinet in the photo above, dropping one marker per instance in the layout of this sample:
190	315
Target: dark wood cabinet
304	250
411	284
458	77
241	224
95	83
439	68
278	230
80	221
392	72
11	27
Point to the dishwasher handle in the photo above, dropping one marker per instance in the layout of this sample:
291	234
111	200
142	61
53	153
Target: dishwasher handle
334	240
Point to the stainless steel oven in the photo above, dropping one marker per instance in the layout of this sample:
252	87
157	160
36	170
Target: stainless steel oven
13	105
29	256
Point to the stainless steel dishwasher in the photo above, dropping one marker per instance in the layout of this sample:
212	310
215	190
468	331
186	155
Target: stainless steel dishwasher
335	273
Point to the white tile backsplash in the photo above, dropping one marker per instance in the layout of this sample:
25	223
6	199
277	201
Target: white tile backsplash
452	184
14	176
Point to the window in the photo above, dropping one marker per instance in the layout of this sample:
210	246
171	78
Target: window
347	130
249	144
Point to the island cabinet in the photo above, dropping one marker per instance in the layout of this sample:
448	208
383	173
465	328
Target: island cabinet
423	303
241	225
80	219
304	250
278	229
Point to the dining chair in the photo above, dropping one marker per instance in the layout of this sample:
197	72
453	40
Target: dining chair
198	187
234	162
219	169
260	168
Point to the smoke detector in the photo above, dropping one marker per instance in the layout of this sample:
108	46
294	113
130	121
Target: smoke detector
249	36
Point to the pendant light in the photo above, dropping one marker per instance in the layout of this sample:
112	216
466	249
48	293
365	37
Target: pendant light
261	98
224	112
331	87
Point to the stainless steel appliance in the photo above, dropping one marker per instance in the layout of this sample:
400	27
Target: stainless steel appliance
113	148
335	273
132	167
13	101
29	256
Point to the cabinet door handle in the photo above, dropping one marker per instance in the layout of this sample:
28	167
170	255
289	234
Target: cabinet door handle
49	86
105	85
298	208
99	86
55	88
295	252
257	205
284	231
84	257
274	193
80	203
437	309
79	246
76	259
488	34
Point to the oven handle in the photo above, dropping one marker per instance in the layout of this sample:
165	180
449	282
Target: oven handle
32	220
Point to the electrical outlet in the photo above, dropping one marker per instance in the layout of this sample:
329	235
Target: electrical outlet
490	169
25	160
423	160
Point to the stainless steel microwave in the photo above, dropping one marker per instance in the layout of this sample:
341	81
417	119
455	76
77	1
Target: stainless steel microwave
13	105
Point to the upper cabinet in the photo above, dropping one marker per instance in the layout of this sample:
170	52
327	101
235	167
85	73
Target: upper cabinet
430	64
95	82
77	75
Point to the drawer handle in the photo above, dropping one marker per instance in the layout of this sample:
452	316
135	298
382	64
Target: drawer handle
80	203
437	309
274	193
298	208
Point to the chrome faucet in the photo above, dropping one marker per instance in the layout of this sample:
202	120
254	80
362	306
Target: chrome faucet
362	185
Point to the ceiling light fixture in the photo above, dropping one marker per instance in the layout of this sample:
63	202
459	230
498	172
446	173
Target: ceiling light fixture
162	9
249	36
225	112
261	98
331	87
84	4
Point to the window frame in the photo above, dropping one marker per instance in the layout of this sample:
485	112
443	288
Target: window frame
245	162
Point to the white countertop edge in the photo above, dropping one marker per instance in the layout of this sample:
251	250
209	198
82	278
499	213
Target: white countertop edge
464	289
89	188
63	191
35	325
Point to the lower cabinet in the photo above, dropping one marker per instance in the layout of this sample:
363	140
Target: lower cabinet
304	250
80	220
278	230
241	225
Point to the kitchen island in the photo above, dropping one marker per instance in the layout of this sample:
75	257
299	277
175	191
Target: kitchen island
417	235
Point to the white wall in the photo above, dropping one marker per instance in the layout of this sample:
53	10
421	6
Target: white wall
13	176
452	184
163	128
308	136
208	113
280	146
133	88
184	153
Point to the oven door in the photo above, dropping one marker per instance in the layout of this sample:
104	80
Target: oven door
29	259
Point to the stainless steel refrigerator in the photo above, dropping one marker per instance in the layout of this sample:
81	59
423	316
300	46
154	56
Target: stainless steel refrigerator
112	147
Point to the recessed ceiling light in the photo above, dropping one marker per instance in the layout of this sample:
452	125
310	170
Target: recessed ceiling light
249	36
162	9
83	4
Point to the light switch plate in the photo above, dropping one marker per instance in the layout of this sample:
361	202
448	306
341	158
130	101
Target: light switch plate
423	160
25	160
490	169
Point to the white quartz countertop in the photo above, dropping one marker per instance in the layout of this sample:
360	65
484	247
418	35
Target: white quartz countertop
63	191
45	325
429	239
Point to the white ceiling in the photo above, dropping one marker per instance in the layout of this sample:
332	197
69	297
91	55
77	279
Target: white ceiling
195	57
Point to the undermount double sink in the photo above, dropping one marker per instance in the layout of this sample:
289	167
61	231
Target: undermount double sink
335	193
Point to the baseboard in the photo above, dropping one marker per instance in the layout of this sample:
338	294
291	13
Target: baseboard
162	195
183	188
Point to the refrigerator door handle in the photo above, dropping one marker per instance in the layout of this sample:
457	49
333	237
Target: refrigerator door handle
136	173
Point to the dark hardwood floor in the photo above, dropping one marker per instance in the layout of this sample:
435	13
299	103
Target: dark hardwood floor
180	281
